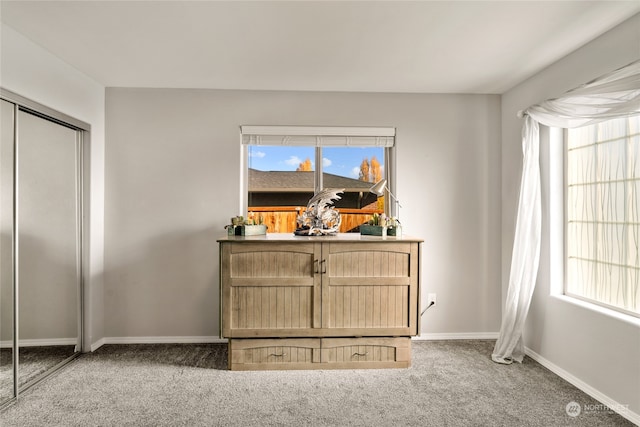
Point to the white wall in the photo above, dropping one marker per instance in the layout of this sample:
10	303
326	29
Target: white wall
30	71
172	170
599	352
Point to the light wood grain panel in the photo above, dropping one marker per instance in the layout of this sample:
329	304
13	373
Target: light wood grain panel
353	311
385	284
287	308
273	304
369	281
415	306
297	303
359	353
362	307
270	288
376	311
261	311
258	354
262	260
353	351
367	307
319	289
373	259
225	290
314	353
271	308
369	264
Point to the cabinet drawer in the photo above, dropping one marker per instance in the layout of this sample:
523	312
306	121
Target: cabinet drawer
314	353
366	352
261	354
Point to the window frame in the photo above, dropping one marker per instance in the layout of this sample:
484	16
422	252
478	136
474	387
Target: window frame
319	131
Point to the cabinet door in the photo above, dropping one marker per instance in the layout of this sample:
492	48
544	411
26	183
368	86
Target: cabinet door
270	290
370	288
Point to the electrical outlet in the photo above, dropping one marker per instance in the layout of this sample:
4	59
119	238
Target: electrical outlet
431	298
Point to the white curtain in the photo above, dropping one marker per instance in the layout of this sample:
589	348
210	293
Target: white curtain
616	94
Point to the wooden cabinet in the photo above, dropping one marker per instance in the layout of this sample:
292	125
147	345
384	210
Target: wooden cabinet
291	302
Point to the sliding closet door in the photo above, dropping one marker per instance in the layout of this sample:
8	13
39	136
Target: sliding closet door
6	251
48	242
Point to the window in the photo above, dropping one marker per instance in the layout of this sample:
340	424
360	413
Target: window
286	166
603	214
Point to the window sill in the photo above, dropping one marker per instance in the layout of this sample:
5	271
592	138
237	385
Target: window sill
635	321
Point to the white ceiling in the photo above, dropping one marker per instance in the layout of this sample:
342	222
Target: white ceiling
376	46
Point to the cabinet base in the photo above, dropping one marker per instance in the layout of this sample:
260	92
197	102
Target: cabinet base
319	353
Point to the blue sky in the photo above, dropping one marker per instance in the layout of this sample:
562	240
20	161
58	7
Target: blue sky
343	161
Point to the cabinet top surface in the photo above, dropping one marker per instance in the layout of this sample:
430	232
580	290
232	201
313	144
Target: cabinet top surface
340	237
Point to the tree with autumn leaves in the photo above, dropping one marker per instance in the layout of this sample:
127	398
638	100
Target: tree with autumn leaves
305	166
370	170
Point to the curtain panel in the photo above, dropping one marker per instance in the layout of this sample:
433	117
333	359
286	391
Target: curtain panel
613	95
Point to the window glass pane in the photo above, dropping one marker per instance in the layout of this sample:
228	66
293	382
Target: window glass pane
362	163
280	158
603	222
580	137
281	181
355	169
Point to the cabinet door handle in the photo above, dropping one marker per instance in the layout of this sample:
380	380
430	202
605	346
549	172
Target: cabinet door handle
278	355
324	266
315	266
359	354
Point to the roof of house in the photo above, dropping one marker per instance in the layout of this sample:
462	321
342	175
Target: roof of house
286	181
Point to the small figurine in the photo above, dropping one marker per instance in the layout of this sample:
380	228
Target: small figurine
320	218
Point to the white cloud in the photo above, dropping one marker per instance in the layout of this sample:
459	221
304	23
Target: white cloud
326	162
355	172
260	154
293	161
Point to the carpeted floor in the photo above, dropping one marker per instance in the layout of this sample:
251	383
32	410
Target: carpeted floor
451	383
33	362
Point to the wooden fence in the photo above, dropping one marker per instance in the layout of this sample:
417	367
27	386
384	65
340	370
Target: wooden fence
282	219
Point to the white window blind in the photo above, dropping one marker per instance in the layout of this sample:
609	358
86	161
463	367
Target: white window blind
603	213
318	136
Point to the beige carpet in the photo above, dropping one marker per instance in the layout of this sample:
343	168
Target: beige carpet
451	383
33	362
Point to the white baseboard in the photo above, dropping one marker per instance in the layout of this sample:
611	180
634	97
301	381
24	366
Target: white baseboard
218	340
40	342
621	409
215	339
96	345
458	336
